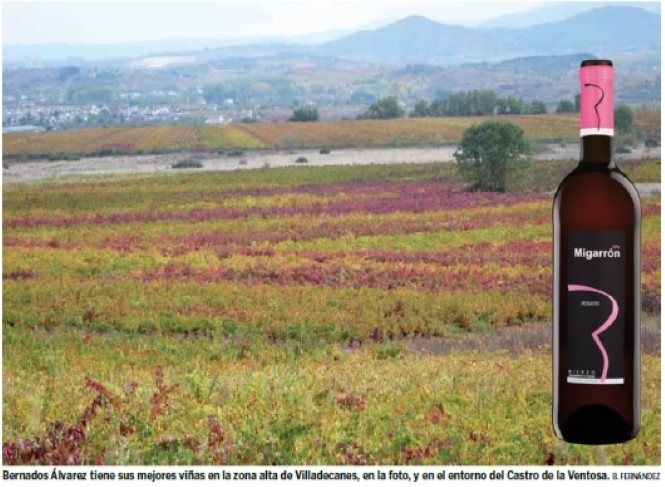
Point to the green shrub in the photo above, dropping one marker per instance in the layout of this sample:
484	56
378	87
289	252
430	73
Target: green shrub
301	160
385	108
623	119
492	155
186	164
325	150
63	156
112	151
305	115
622	149
235	153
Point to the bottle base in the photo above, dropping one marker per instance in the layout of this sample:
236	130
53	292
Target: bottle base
596	424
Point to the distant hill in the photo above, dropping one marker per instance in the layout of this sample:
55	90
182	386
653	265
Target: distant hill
554	12
545	65
546	78
414	58
605	30
81	53
415	39
418	39
61	53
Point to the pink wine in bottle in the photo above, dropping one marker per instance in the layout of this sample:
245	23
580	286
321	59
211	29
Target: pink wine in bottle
596	282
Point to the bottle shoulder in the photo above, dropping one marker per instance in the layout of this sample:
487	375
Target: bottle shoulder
584	180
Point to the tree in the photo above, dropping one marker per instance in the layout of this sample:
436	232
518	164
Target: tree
457	105
483	102
463	103
489	152
437	108
537	107
385	108
421	110
510	106
304	115
623	119
566	106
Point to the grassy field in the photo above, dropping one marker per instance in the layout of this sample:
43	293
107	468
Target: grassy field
291	316
348	133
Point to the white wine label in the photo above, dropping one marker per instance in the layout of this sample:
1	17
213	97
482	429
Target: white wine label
596	289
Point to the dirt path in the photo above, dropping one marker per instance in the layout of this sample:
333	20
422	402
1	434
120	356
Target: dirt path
40	169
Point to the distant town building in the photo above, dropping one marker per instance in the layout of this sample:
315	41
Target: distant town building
215	120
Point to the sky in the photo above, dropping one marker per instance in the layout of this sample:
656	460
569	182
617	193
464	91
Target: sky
98	22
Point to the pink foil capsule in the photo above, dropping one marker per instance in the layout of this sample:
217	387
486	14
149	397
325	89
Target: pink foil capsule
597	99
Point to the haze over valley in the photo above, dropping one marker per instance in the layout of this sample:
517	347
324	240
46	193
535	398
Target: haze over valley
340	74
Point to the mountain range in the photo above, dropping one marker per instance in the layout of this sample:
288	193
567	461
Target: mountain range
555	11
414	57
421	40
606	30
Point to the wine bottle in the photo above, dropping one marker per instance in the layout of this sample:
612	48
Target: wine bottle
596	282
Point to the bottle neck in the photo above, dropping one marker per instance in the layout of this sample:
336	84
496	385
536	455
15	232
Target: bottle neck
597	150
596	113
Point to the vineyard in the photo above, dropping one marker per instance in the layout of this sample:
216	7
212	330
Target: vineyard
289	316
348	133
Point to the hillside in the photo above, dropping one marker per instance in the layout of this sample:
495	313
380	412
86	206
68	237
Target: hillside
554	11
549	78
414	59
418	39
414	39
289	135
598	28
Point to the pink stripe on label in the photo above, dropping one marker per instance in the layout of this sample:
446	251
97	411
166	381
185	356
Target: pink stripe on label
596	99
608	322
